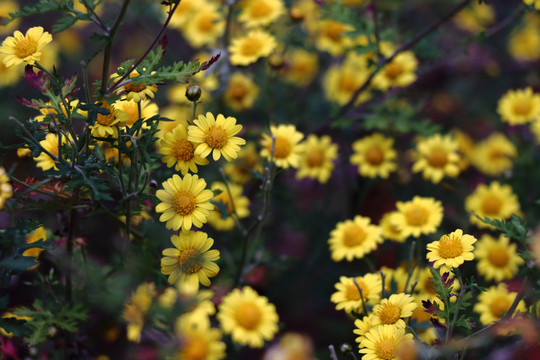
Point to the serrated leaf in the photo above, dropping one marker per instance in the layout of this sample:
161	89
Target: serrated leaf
64	23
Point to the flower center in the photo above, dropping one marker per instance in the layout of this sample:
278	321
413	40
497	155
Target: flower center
206	22
131	87
194	349
189	261
437	158
353	236
498	305
106	120
184	203
416	216
238	91
522	107
450	247
282	148
491	205
250	46
25	47
334	30
248	316
498	256
216	137
352	291
374	155
393	70
348	83
315	158
183	150
259	9
389	313
385	349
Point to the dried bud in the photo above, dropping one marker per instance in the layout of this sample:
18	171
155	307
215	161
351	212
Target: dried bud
275	61
193	93
153	184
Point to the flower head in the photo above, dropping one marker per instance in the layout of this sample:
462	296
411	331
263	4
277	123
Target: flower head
519	106
225	222
300	67
451	250
135	310
354	239
205	26
317	159
391	311
106	124
494	155
419	216
179	152
383	342
26	48
400	72
348	298
287	147
374	155
50	144
492	303
437	157
341	82
332	36
241	92
198	342
497	258
260	12
135	91
248	49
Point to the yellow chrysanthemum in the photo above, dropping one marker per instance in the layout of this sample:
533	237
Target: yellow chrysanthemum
49	111
185	202
347	297
394	279
205	26
178	115
287	148
520	106
419	216
497	259
247	162
132	91
291	345
248	49
191	261
476	17
353	239
341	81
106	125
225	222
363	326
451	250
494	201
44	161
374	155
6	190
135	310
317	159
248	317
332	37
393	310
131	108
389	230
7	7
9	76
494	155
256	13
184	12
400	72
536	3
494	301
39	234
300	67
216	136
179	152
26	48
198	342
524	42
383	342
241	92
437	157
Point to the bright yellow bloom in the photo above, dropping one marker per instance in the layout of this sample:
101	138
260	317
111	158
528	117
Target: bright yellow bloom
225	222
179	152
374	155
389	230
341	81
44	161
7	7
418	216
39	234
135	310
184	202
520	106
332	37
476	17
497	259
26	48
6	190
248	317
131	108
247	162
363	326
400	72
347	297
492	303
248	49
394	279
451	250
185	11
9	76
106	125
317	159
256	13
494	155
353	239
391	311
241	92
205	26
198	342
383	342
287	147
132	91
524	42
51	112
178	115
300	67
437	157
536	3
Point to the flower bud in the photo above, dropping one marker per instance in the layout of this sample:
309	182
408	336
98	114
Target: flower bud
276	62
193	93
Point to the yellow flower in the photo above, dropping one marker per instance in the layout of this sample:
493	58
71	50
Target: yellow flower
374	155
9	76
437	157
131	108
6	190
7	7
425	284
105	125
135	310
524	42
256	13
497	259
248	49
451	250
216	136
317	159
300	67
184	201
363	326
185	12
26	48
520	106
494	155
44	161
50	111
178	115
241	92
347	297
225	222
198	342
133	91
291	346
389	230
419	216
354	239
391	311
383	342
331	36
39	234
394	279
248	317
179	152
287	147
341	81
399	72
191	261
536	3
494	301
495	201
241	170
476	17
205	26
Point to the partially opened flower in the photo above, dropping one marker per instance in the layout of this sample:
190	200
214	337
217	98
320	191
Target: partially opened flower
451	250
26	48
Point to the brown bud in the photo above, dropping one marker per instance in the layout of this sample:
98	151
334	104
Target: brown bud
193	92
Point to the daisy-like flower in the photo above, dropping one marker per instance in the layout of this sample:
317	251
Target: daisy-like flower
393	310
536	3
248	49
494	301
451	250
241	92
287	149
520	106
437	157
135	310
198	342
105	125
205	26
374	155
241	169
179	152
178	115
332	37
347	297
301	67
389	230
7	7
497	259
191	261
524	42
26	48
394	279
184	202
260	12
383	342
248	317
494	155
317	159
132	91
6	190
363	326
44	161
419	216
341	81
131	108
353	239
241	206
399	72
475	18
9	76
494	201
216	136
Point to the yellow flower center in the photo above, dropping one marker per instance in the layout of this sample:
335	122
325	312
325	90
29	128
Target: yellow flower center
389	313
491	205
248	315
216	137
416	216
189	261
437	158
106	120
25	47
385	349
250	46
450	247
374	156
282	148
238	91
259	9
194	349
352	292
353	236
315	158
131	87
498	305
498	256
348	83
393	70
522	107
334	30
184	203
183	150
206	22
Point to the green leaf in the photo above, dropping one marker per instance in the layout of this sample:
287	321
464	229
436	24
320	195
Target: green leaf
64	23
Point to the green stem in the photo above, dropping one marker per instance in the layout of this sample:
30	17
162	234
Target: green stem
410	269
451	325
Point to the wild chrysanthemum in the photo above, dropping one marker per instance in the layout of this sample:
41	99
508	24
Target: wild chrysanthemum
353	239
191	261
39	234
437	157
348	298
363	326
497	259
391	311
494	301
317	159
44	161
256	13
524	42
494	155
519	106
241	92
476	17
287	147
331	36
248	317
419	216
135	310
374	155
179	152
6	190
424	284
389	230
131	108
242	168
300	67
26	48
248	49
451	250
400	72
106	125
341	81
222	198
178	115
184	202
383	342
205	26
216	136
198	342
134	91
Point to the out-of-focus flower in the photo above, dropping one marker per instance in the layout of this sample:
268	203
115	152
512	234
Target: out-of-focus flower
519	106
419	216
135	310
257	13
476	17
437	157
317	159
494	155
374	155
241	92
497	258
225	222
494	301
287	147
250	48
353	239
